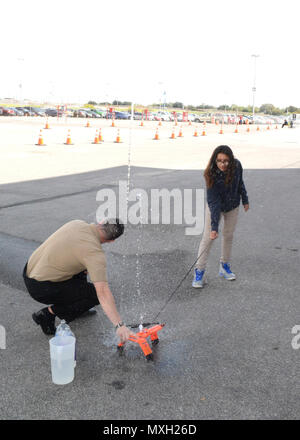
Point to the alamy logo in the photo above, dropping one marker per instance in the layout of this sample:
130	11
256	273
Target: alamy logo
2	338
159	206
296	339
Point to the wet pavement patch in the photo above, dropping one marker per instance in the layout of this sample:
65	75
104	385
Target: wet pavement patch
117	384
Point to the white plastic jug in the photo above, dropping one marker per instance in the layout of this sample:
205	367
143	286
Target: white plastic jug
62	351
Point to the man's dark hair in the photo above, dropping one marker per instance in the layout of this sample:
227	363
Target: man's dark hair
112	228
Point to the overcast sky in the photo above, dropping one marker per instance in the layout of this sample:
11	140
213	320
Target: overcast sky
197	52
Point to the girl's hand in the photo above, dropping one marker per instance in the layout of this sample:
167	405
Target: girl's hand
213	235
246	207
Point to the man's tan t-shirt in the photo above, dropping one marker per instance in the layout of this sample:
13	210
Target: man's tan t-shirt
73	248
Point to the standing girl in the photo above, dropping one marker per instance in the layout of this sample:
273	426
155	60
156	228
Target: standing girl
225	189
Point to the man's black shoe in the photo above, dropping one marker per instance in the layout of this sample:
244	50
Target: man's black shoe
46	320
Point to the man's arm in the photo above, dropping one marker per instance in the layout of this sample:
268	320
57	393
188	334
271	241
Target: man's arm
108	305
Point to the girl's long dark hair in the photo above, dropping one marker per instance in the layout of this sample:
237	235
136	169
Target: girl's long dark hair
211	169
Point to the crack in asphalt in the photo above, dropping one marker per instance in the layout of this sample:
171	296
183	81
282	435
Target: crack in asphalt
60	196
6	234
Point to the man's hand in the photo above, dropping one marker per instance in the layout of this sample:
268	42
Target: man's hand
246	207
213	235
124	333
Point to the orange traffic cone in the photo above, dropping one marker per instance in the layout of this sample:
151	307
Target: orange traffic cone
113	122
258	128
142	123
118	139
159	122
40	141
68	142
176	122
248	129
156	137
203	132
180	132
96	140
236	129
173	134
47	125
268	127
100	136
196	132
276	128
87	123
190	123
221	131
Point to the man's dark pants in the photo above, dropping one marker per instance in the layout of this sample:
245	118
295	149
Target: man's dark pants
68	299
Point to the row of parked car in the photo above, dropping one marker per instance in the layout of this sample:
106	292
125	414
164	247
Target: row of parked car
21	111
224	118
57	112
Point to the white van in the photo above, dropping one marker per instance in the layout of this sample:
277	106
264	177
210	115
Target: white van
295	117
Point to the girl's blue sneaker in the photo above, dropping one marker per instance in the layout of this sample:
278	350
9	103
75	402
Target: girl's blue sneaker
198	280
225	271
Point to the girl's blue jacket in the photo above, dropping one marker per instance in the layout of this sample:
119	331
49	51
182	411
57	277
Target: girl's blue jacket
224	198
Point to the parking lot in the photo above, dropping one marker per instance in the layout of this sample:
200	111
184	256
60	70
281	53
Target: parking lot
24	160
225	351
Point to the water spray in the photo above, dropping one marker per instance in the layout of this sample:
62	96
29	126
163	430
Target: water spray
144	332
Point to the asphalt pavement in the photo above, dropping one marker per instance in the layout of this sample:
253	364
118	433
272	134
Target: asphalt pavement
225	352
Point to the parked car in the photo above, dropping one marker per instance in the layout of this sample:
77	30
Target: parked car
51	112
18	112
259	120
69	112
40	112
201	118
232	119
1	111
163	116
103	113
95	114
275	120
100	112
80	114
198	119
25	111
122	115
137	115
192	117
36	111
150	116
88	112
7	111
247	119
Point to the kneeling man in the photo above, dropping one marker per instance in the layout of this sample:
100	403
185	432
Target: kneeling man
56	274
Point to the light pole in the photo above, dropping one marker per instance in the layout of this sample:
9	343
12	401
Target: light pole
254	84
160	85
21	60
164	101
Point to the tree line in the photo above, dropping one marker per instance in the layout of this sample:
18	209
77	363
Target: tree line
268	109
